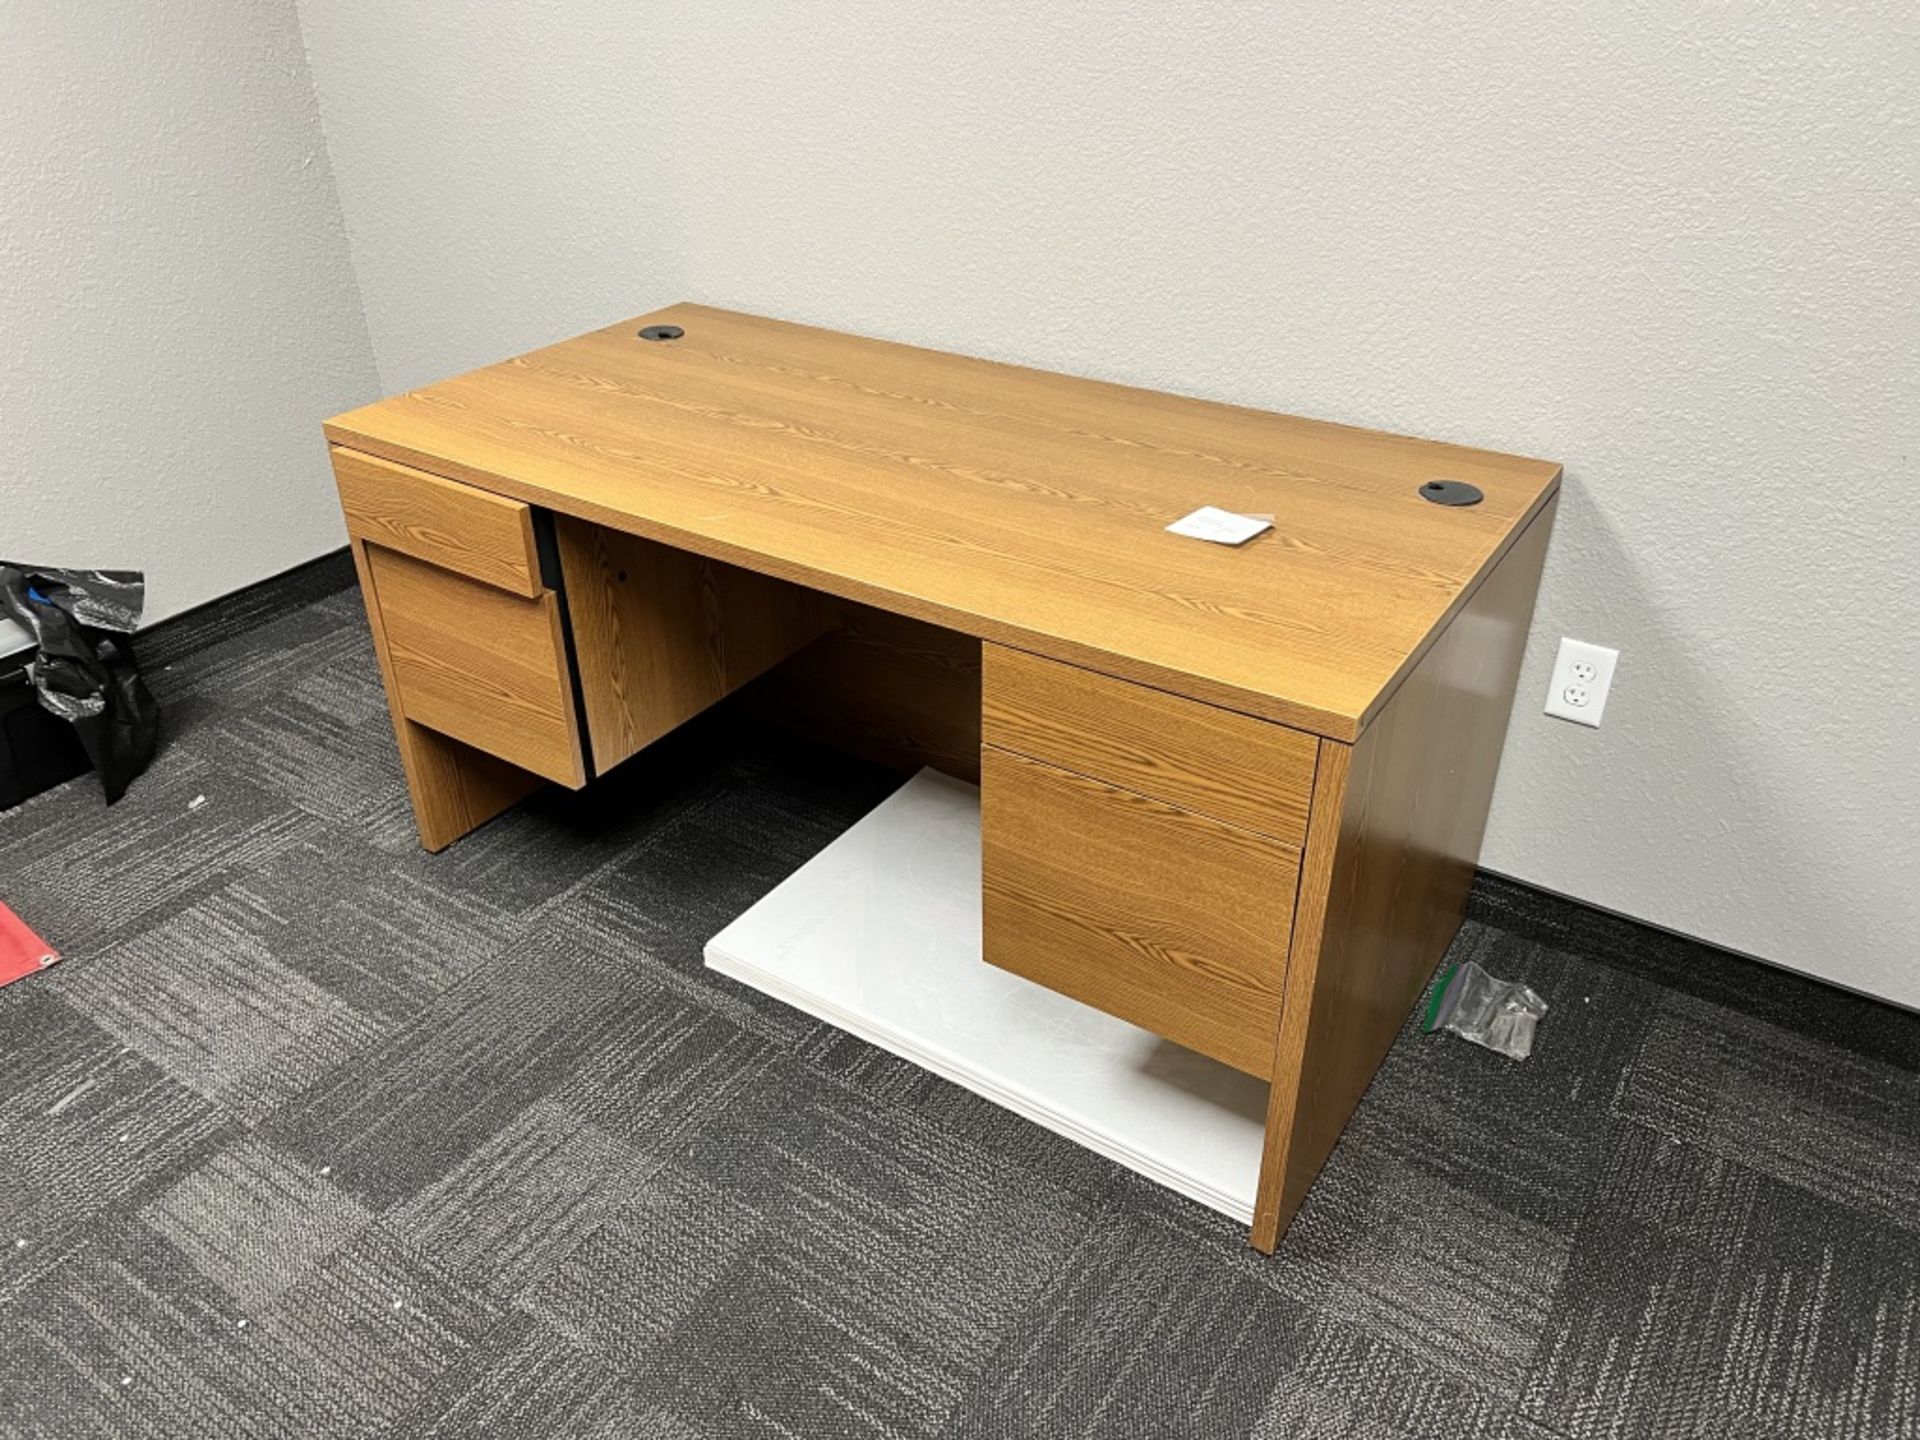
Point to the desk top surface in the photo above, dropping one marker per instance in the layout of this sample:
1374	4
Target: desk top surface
1021	506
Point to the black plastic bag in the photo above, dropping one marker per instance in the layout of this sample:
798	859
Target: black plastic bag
84	671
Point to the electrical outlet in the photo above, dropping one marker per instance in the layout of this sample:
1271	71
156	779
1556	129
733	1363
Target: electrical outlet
1582	675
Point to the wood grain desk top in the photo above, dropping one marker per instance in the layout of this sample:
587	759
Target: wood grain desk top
1017	505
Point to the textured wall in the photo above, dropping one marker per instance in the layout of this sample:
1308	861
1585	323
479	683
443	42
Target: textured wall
179	311
1675	246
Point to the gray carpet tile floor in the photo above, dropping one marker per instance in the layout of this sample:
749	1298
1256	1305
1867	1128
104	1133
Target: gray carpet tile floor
314	1134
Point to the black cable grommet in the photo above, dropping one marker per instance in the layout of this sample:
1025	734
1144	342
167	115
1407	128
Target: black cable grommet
1451	492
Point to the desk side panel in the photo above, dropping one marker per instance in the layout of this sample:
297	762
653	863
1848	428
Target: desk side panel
1391	847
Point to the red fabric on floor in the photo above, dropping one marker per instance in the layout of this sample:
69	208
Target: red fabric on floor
21	951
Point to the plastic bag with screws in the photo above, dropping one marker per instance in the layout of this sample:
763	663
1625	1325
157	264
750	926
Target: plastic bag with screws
1497	1014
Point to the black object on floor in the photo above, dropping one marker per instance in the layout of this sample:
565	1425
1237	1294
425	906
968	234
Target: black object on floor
83	672
37	751
316	1134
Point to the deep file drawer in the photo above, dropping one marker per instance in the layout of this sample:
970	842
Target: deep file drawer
1171	920
480	665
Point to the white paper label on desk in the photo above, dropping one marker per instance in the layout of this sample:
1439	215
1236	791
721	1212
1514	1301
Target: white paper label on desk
1222	527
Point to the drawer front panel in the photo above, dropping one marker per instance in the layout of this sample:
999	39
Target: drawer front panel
480	665
1173	921
456	527
1248	772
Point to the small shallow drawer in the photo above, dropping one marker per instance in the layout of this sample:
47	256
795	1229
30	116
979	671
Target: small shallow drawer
1173	921
474	533
483	666
1199	757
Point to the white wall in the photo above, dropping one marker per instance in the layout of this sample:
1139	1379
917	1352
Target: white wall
1676	246
177	307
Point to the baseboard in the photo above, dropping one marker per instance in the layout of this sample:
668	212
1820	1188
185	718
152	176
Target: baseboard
1859	1023
248	609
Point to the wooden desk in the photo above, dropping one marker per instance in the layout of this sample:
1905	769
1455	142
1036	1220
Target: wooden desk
1232	795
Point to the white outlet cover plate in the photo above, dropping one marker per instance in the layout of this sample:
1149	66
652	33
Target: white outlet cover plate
1568	684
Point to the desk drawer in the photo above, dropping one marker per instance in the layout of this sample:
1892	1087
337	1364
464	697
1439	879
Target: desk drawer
1168	919
480	665
474	533
1248	772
